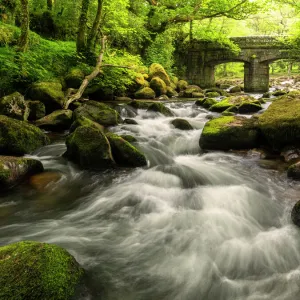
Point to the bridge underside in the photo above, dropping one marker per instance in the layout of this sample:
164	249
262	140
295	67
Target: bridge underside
201	61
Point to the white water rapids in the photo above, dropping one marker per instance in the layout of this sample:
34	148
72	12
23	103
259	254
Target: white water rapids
190	226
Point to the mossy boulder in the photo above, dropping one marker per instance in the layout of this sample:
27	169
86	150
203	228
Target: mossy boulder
129	138
140	80
189	91
160	108
124	153
295	214
158	86
89	148
15	169
212	94
145	93
249	107
294	171
229	132
19	137
235	89
59	120
200	102
181	124
207	103
98	112
50	93
182	85
130	122
83	121
37	110
171	92
14	106
279	93
157	70
74	78
33	270
197	95
138	104
280	123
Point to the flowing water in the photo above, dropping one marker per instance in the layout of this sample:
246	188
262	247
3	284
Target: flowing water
190	226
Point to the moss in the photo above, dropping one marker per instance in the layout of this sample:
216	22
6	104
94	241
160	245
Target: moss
157	70
190	90
74	78
89	148
181	124
235	89
19	137
158	86
129	138
83	121
182	85
140	80
229	132
15	169
171	92
37	110
140	104
200	102
197	95
98	112
249	107
50	93
280	124
221	106
124	153
212	94
160	108
145	93
32	270
294	171
207	103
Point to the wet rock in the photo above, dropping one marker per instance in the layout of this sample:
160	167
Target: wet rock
19	137
158	86
230	132
290	154
140	104
37	110
88	147
33	270
160	108
74	78
145	93
83	121
295	214
50	93
207	103
59	120
14	170
98	112
123	99
181	124
212	94
249	107
279	93
129	138
235	89
190	89
267	95
130	122
14	106
294	171
124	153
41	181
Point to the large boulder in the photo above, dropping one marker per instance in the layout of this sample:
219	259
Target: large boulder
19	137
14	106
171	92
160	108
33	270
145	93
230	132
158	86
181	124
235	89
15	169
124	153
98	112
37	110
59	120
74	78
89	148
157	70
280	123
189	91
50	93
182	85
83	121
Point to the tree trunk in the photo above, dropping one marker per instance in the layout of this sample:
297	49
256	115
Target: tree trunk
191	30
95	29
88	78
81	36
24	19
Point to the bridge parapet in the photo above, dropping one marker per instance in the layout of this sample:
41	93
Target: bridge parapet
260	42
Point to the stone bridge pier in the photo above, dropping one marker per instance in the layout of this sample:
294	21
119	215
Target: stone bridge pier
256	54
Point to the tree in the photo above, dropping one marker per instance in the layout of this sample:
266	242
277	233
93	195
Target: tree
82	27
24	20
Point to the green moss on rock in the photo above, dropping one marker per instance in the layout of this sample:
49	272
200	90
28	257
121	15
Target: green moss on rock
98	112
19	137
59	120
207	103
129	138
182	85
160	108
212	94
89	148
157	70
74	78
229	132
37	110
124	153
181	124
171	92
83	121
158	86
145	93
33	270
50	93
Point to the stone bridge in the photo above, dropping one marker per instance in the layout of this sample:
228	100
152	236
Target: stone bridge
256	52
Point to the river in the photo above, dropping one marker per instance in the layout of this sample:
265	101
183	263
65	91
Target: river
190	226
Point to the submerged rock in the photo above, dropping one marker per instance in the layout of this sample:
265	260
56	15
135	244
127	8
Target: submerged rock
33	270
124	153
19	137
14	170
59	120
50	93
14	106
230	132
98	112
181	124
41	181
